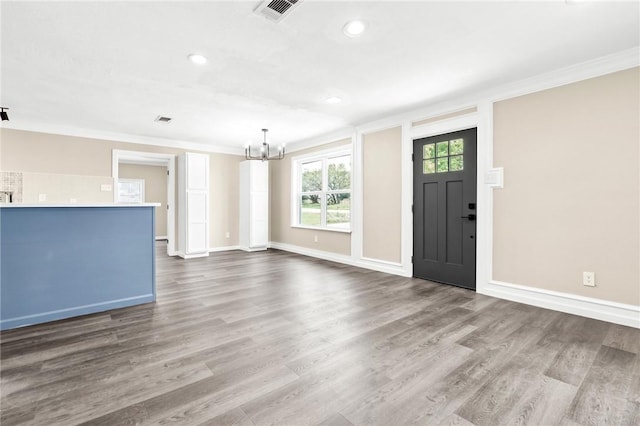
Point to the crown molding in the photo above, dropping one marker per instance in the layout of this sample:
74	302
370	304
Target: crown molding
99	135
597	67
340	134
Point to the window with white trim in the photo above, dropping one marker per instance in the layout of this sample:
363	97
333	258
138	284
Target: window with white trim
322	191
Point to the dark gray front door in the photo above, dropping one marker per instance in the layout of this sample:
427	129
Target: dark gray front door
444	208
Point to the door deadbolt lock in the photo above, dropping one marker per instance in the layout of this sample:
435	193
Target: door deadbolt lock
470	217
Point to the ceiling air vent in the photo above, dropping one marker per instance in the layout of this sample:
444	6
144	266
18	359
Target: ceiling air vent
276	10
161	119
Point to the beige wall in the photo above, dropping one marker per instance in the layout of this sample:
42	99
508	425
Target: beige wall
65	189
59	154
155	189
572	188
280	210
382	190
224	202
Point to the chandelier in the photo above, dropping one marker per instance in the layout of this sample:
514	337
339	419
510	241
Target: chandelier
264	154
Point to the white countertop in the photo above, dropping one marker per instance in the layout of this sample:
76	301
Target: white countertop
18	205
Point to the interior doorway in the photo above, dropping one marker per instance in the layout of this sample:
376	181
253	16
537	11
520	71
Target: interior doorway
121	157
445	211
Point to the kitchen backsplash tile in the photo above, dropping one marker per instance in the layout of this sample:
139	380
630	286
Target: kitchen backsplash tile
12	182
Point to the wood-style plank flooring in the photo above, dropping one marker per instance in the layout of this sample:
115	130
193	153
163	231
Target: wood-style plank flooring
276	338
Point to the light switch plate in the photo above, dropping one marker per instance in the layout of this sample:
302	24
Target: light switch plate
495	177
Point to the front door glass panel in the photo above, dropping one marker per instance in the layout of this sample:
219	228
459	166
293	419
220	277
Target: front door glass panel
443	157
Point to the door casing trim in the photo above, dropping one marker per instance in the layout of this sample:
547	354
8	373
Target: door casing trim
481	122
151	158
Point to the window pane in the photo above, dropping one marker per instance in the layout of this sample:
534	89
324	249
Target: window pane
339	172
443	165
339	210
428	151
443	149
310	209
312	176
428	166
324	198
456	147
456	163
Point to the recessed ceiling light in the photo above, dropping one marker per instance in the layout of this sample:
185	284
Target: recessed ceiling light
197	59
354	28
333	100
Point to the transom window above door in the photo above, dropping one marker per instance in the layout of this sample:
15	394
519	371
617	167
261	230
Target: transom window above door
441	157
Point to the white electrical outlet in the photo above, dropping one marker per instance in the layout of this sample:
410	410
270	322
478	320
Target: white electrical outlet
589	279
315	238
105	187
42	197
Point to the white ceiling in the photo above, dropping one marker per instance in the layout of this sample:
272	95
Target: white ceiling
114	66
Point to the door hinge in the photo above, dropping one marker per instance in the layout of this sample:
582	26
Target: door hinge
411	208
411	259
412	157
167	172
167	206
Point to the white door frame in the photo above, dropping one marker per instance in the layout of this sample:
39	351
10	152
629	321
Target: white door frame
151	159
481	120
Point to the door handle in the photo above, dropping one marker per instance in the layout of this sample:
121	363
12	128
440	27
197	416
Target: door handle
470	217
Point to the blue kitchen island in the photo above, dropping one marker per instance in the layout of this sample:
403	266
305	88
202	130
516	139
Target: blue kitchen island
61	261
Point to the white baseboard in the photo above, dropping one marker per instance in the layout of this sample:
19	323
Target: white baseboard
192	256
372	264
618	313
224	248
382	266
250	250
320	254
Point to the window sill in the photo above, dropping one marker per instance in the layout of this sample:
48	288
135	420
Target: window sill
318	228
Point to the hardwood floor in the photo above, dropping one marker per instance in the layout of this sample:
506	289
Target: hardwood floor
276	338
